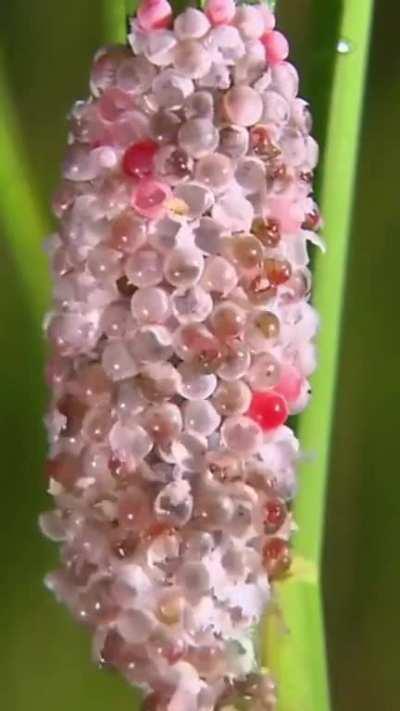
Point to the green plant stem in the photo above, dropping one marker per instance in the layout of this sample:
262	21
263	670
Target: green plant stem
21	220
131	6
114	21
297	656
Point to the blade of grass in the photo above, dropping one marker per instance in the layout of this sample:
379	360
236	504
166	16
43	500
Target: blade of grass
114	19
297	656
21	217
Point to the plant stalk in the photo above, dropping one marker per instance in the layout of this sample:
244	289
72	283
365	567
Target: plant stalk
21	219
294	643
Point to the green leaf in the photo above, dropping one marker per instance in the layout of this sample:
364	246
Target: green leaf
293	641
296	653
21	216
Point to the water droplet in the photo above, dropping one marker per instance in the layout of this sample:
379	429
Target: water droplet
344	46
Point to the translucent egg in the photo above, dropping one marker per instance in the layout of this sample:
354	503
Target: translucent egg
170	608
216	78
199	105
135	75
195	385
249	68
242	517
250	175
52	525
94	461
219	275
92	385
293	147
144	268
312	153
150	305
131	126
198	544
246	251
233	211
191	59
130	442
63	468
164	126
285	80
135	626
200	417
197	198
183	267
71	333
164	235
192	304
191	24
158	381
247	20
105	65
262	330
171	89
104	263
224	466
228	320
117	362
129	400
232	398
173	164
152	344
195	340
216	511
194	579
113	104
87	125
225	41
242	435
208	236
188	452
58	371
235	363
198	137
243	105
97	423
215	171
264	372
163	422
233	141
128	233
160	46
174	504
116	320
276	108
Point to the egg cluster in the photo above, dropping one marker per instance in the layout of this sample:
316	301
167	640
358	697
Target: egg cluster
181	341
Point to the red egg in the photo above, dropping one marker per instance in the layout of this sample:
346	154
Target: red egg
138	159
269	409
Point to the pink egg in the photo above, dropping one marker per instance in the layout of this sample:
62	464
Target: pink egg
220	12
276	47
150	197
290	383
154	14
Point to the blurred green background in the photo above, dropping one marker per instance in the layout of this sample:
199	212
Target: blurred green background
44	659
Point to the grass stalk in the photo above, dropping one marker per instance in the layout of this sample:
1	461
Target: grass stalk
114	19
21	219
293	639
294	645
